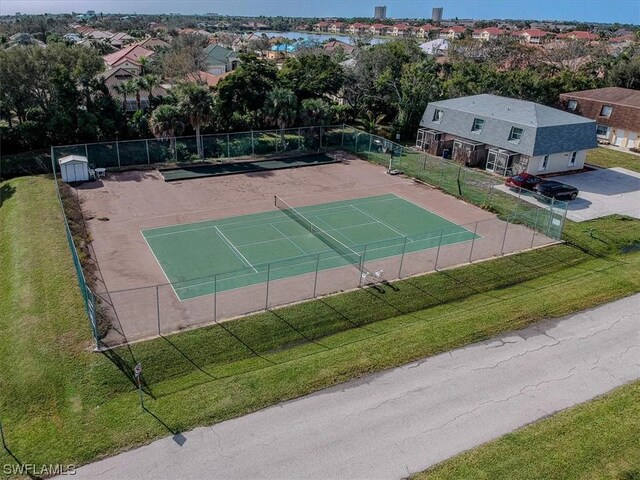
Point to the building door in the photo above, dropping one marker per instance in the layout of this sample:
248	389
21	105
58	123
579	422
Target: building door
631	139
619	138
491	161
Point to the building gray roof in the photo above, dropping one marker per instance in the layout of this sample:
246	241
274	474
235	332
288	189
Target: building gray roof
545	130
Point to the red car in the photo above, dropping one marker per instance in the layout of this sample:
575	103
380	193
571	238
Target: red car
523	180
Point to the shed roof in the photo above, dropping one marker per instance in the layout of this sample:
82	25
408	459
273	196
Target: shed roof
614	95
72	158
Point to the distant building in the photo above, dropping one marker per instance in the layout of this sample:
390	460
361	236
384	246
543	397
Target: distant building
380	12
436	14
616	112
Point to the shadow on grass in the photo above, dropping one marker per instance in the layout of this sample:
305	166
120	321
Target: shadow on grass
23	469
6	192
126	367
176	435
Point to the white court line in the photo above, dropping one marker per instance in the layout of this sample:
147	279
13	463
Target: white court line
381	222
260	221
233	247
160	265
289	238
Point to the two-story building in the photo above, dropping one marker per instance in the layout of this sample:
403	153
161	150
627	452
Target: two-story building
616	112
485	34
533	36
425	30
452	32
506	135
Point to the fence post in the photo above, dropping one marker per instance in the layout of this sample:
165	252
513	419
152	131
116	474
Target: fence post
504	238
299	139
158	307
404	249
228	147
215	297
253	145
86	151
342	137
473	241
315	282
370	142
362	268
148	157
266	302
435	267
118	152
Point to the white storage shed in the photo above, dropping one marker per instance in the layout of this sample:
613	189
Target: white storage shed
74	168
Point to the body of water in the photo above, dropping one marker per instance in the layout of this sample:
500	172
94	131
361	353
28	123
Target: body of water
317	37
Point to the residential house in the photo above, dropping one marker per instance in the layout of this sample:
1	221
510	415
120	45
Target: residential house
616	112
121	39
152	43
578	35
402	30
357	28
424	30
321	27
72	37
336	27
220	59
210	79
99	34
506	135
452	32
533	36
131	55
490	33
280	51
436	48
336	46
625	39
24	39
378	29
115	77
193	31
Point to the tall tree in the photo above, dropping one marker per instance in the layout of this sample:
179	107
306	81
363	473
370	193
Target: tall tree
312	76
167	122
281	108
196	105
242	94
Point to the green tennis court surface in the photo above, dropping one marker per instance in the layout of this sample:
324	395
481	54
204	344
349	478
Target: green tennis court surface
198	171
238	250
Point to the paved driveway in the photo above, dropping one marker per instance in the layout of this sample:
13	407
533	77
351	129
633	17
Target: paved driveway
404	420
603	191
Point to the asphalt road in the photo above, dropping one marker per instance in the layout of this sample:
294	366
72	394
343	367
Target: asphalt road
404	420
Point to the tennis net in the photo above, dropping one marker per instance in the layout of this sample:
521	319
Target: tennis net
353	257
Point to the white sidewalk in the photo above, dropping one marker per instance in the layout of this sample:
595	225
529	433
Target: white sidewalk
404	420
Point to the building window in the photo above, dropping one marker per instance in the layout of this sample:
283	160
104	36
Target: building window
515	135
572	159
602	130
606	111
572	105
437	115
545	163
478	123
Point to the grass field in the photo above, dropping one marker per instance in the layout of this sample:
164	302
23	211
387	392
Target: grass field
249	249
597	439
607	157
60	402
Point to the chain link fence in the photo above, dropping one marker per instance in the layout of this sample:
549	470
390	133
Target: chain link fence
158	310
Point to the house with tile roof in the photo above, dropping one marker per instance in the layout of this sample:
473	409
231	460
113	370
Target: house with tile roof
132	53
452	32
506	135
220	59
533	36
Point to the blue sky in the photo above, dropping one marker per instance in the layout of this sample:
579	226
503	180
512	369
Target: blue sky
623	11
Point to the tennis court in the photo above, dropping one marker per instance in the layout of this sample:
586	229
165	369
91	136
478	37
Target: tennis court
213	256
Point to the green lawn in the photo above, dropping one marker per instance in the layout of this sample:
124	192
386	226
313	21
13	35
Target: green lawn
60	402
607	157
597	439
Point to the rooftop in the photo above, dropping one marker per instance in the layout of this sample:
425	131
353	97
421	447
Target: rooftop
614	95
512	110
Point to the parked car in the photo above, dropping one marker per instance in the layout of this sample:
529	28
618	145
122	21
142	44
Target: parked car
523	180
558	191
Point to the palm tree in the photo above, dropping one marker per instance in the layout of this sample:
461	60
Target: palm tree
372	123
167	121
133	86
281	108
149	82
122	89
144	64
196	104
